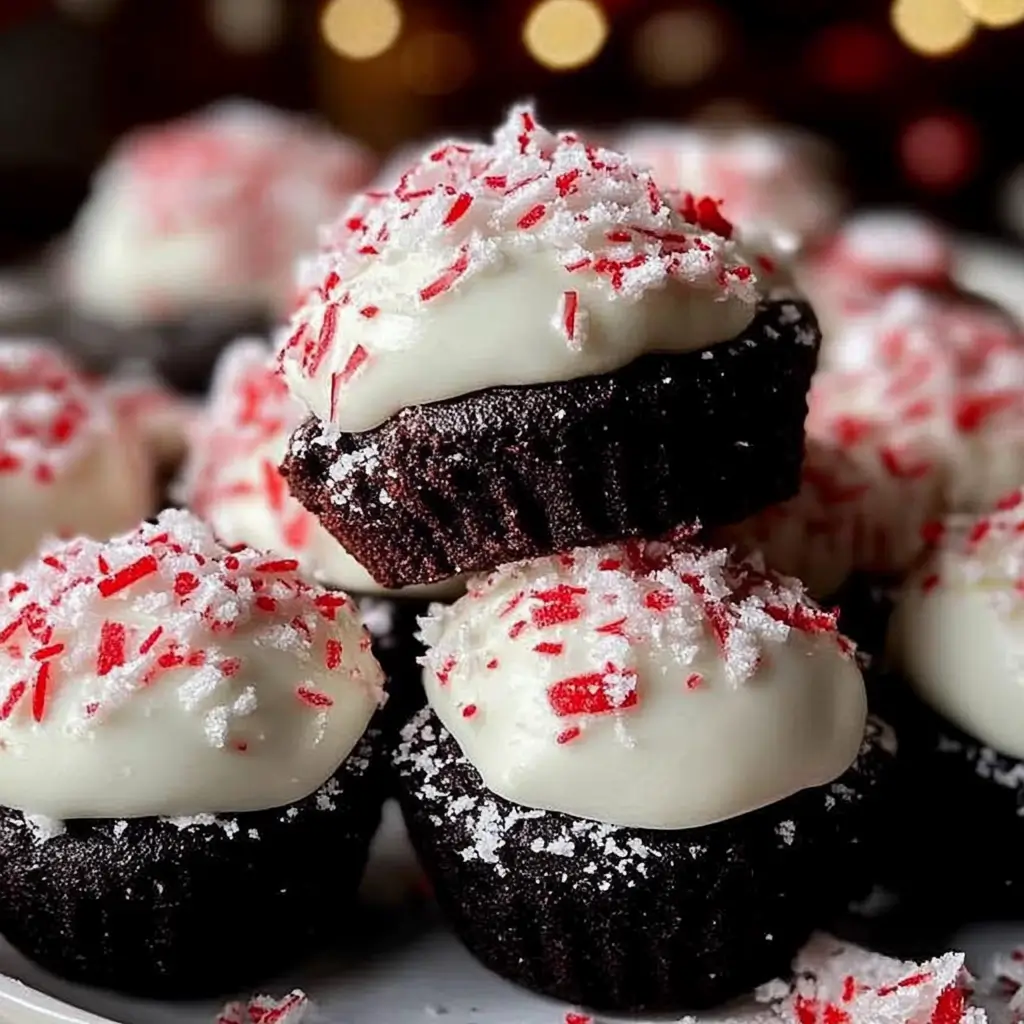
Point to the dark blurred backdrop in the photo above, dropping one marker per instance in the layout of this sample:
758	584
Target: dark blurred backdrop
922	97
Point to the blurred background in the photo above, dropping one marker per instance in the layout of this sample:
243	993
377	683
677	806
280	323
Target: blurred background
920	96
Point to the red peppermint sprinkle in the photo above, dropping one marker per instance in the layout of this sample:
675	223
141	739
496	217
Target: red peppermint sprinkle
568	735
469	710
551	649
128	576
588	694
111	653
458	209
314	698
444	672
332	654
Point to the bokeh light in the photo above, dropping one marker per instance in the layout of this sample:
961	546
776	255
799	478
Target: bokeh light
934	28
436	62
995	13
679	47
565	34
361	29
248	27
851	57
87	10
940	151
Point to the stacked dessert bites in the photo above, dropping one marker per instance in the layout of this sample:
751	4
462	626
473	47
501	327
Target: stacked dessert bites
640	750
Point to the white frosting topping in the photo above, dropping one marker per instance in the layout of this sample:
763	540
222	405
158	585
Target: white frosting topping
958	629
937	420
772	181
816	535
161	674
209	210
651	685
536	258
909	324
67	465
231	478
874	253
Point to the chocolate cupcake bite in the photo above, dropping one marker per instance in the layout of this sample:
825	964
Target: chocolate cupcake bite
190	785
232	481
956	646
510	353
191	232
636	761
68	465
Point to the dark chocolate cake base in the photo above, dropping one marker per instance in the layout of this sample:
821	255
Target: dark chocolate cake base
628	919
865	605
182	908
958	816
182	352
518	472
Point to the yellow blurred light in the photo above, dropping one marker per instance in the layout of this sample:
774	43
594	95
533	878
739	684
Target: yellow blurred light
995	13
361	29
934	28
436	62
678	47
565	34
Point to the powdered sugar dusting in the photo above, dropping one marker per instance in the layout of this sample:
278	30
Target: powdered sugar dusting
70	624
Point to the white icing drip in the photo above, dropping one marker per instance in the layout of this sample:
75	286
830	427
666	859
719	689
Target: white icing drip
160	674
460	278
713	687
958	629
66	464
209	210
231	478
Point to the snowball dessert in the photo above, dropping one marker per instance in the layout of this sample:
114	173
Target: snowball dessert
192	229
635	761
871	255
505	355
956	645
68	465
186	729
938	407
774	182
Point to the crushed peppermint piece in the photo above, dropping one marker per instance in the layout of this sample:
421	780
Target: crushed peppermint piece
292	1009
